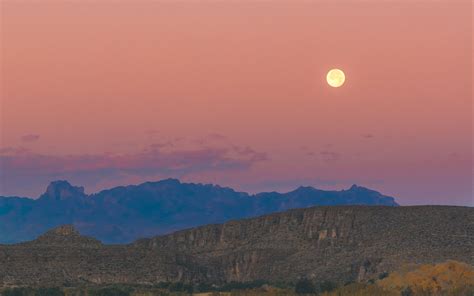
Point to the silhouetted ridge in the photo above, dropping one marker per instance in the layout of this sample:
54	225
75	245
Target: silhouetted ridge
356	187
62	190
125	213
304	189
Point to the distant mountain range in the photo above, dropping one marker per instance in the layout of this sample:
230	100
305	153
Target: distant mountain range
123	214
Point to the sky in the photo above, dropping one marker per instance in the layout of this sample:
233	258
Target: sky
106	93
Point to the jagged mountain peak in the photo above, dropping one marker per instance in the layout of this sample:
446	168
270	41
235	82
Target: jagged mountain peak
361	189
122	214
354	187
304	189
62	190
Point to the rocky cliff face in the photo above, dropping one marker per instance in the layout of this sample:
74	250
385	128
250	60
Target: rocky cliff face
327	243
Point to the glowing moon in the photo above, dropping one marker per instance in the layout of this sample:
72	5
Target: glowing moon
336	78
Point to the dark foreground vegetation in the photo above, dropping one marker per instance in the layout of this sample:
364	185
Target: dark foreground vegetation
445	279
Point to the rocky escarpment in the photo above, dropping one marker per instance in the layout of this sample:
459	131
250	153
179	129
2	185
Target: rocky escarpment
326	243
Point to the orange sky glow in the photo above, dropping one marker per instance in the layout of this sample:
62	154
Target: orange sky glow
106	93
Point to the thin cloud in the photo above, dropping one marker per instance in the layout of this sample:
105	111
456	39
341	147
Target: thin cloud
25	165
211	139
330	156
153	160
216	137
30	138
13	150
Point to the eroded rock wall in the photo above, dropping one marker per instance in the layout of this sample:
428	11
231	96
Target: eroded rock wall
326	243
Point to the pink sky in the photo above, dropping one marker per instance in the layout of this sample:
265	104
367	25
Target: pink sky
106	93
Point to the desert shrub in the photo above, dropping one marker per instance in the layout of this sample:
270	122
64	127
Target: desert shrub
282	285
359	289
203	287
241	285
438	279
111	291
327	286
407	292
163	285
465	290
305	286
49	292
16	292
383	275
24	291
180	287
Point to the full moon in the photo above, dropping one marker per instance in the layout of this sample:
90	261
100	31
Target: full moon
335	78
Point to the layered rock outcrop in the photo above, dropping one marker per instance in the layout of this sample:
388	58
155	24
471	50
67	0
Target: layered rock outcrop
326	243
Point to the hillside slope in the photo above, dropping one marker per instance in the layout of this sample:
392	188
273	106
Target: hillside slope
351	243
